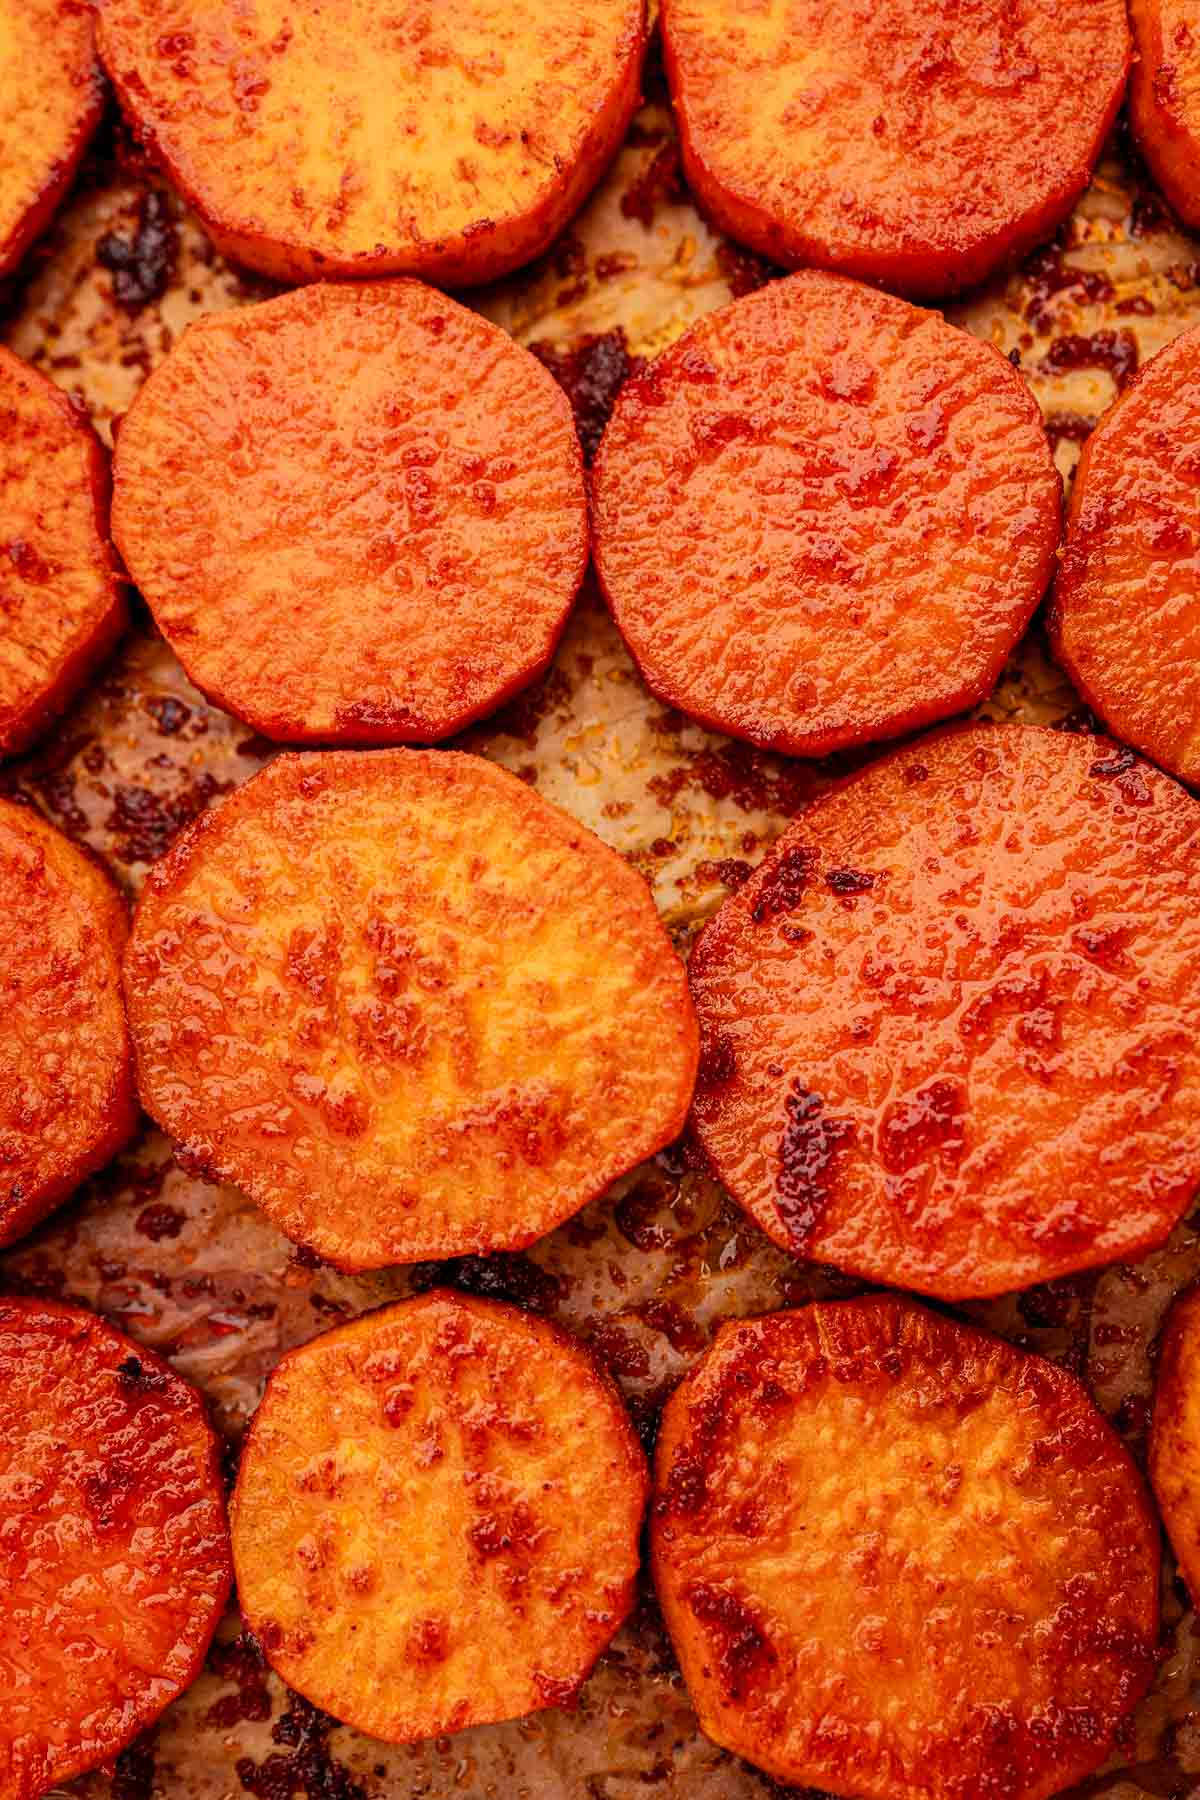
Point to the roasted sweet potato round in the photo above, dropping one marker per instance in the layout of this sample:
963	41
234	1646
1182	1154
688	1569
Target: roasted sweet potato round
61	605
450	141
1175	1434
1125	612
899	1558
823	516
53	98
904	142
114	1551
66	1068
951	1027
406	1005
358	513
436	1518
1164	98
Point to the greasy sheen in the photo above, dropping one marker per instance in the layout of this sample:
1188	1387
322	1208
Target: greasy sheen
1125	614
358	513
61	605
66	1069
900	1559
1164	98
353	138
406	1005
951	1028
437	1516
824	516
114	1551
53	95
1175	1434
901	140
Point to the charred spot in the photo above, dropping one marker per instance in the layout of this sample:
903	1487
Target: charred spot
619	1351
927	1122
743	270
849	881
659	183
169	714
507	1275
144	823
718	1061
241	1662
134	1772
591	373
808	1151
306	1766
142	262
1048	275
136	1378
1127	773
745	1649
1067	427
731	871
1115	351
784	882
160	1221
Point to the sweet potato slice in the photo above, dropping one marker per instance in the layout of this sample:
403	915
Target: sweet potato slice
905	142
823	516
358	513
1125	612
66	1069
113	1542
951	1027
436	1518
900	1559
406	1005
450	141
1164	98
53	98
1175	1434
62	607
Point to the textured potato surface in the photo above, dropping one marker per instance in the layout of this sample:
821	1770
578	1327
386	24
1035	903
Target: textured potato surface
358	513
824	516
1175	1434
951	1025
900	1558
436	1518
406	1005
1164	98
52	99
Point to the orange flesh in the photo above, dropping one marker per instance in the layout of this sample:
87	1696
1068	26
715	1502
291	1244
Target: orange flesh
904	142
450	141
1175	1434
437	1516
66	1069
901	1559
951	1028
824	517
406	1005
114	1551
1125	614
53	97
1164	98
358	514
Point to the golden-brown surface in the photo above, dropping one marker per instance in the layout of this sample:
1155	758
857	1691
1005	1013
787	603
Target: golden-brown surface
1164	98
51	95
900	1559
449	141
899	141
66	1068
406	1005
114	1551
1175	1433
1125	612
61	605
437	1516
951	1025
357	513
823	516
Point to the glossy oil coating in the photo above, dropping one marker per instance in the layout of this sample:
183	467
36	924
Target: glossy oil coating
824	516
53	96
1164	98
951	1027
1175	1433
1125	613
114	1550
437	1516
904	141
450	141
406	1005
66	1068
61	605
901	1559
358	513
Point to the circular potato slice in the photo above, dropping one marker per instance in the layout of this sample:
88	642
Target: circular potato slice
906	142
1164	98
1175	1434
53	98
113	1542
823	517
951	1027
1125	612
901	1559
450	141
406	1005
436	1518
66	1068
61	604
358	513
